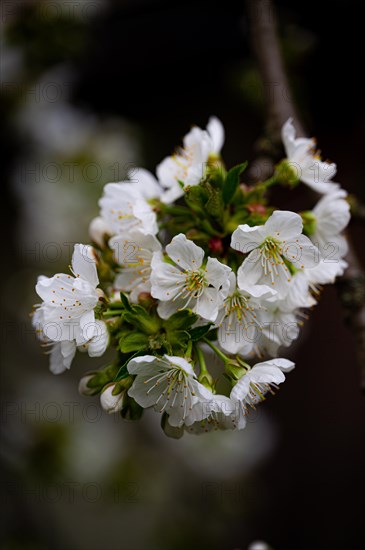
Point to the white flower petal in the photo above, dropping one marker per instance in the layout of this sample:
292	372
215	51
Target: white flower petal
260	375
99	342
61	356
216	131
208	303
218	275
246	238
284	225
84	264
87	327
185	253
146	182
302	253
145	365
98	228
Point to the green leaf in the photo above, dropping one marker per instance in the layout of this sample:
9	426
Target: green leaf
232	181
125	301
215	204
123	371
178	338
212	334
180	320
177	210
142	319
134	341
116	305
103	377
198	332
196	197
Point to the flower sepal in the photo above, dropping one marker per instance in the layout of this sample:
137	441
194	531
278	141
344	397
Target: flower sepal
176	432
93	382
236	368
207	380
133	341
131	411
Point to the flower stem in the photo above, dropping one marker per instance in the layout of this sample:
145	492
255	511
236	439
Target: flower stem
202	364
205	377
189	349
220	354
269	182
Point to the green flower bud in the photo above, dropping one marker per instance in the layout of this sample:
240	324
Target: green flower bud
287	173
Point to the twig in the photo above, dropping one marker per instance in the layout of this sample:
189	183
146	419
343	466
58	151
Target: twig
279	107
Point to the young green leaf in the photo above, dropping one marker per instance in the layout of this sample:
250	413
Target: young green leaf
123	371
133	342
125	301
232	181
180	320
198	332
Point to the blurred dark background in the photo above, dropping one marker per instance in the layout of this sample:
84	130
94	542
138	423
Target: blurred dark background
88	89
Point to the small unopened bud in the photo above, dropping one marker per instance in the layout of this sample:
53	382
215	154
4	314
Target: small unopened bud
256	209
98	231
287	173
84	389
111	398
216	245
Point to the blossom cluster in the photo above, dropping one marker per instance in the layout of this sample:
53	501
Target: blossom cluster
191	265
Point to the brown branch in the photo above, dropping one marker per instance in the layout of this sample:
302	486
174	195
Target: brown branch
279	102
279	107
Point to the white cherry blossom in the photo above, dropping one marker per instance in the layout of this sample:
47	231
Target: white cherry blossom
332	215
134	253
258	381
69	301
270	246
168	384
188	283
62	353
188	164
125	206
279	330
216	413
305	161
242	317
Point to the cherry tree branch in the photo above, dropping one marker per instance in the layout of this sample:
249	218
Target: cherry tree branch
280	106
